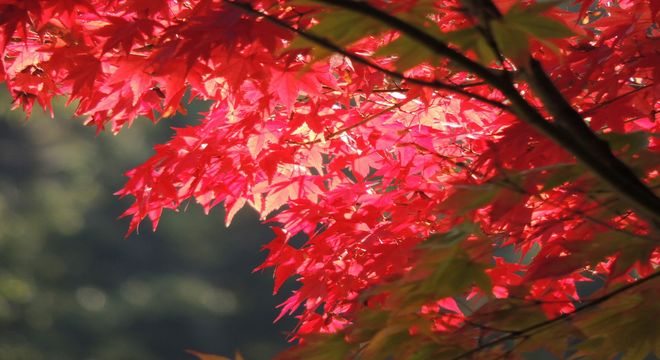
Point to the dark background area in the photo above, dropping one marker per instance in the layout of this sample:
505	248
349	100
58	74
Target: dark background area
71	287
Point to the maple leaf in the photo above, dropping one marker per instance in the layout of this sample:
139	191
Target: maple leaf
124	32
84	79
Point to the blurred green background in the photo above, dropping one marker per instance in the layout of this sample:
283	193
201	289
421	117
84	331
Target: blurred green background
72	288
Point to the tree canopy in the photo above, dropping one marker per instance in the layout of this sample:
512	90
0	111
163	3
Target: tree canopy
455	170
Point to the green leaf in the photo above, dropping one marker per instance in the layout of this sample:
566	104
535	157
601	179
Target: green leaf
633	149
630	249
530	21
509	314
511	41
451	273
512	31
468	198
418	15
342	28
562	175
536	8
625	324
471	39
464	38
632	142
540	27
582	253
456	235
553	339
323	347
424	353
409	52
386	341
368	323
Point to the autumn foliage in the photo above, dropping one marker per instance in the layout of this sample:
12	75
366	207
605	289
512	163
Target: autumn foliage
457	169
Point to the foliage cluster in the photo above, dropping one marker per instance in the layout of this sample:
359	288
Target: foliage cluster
411	143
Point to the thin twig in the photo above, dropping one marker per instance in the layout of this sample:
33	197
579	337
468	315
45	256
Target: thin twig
432	43
563	317
353	126
325	43
613	100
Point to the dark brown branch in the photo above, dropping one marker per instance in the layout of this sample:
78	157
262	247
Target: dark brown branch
592	150
569	130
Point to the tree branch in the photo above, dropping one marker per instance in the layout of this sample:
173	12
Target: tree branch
432	43
592	150
525	332
569	129
365	120
327	44
602	104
